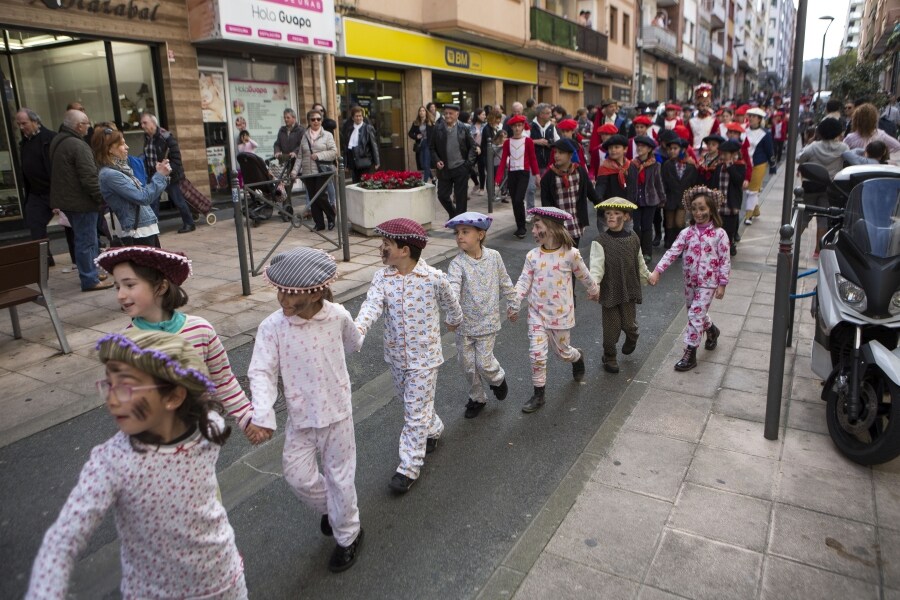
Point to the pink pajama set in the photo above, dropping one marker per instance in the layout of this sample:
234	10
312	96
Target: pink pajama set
309	355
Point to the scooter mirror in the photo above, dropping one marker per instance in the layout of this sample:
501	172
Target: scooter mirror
816	173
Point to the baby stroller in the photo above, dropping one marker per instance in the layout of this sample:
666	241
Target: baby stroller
264	199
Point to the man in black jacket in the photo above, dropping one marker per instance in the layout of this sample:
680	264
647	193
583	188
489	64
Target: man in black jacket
159	145
452	154
35	152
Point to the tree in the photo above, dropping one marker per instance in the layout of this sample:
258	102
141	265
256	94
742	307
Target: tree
851	79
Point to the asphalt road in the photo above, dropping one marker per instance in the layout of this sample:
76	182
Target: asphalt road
482	487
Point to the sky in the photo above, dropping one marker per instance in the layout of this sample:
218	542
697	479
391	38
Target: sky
815	28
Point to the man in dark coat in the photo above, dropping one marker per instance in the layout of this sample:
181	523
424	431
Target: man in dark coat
75	190
453	155
160	144
35	153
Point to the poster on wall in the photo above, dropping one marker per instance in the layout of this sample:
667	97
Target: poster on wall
218	170
298	24
212	97
258	108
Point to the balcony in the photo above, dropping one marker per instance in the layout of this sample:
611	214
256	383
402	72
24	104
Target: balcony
715	9
659	41
564	34
717	53
885	30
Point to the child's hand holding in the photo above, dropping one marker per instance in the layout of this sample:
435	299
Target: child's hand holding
595	296
720	292
654	278
512	315
257	435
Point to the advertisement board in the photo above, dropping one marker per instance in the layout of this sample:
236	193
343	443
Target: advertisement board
300	24
258	107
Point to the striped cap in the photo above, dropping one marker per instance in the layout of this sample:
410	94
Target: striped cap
301	270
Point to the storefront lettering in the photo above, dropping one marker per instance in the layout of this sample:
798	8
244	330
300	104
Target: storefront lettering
130	10
264	14
573	78
456	57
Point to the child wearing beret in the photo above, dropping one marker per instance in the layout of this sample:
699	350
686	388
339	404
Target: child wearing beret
479	278
411	294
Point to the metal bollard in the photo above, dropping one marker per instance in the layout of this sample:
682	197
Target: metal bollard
342	205
239	230
779	332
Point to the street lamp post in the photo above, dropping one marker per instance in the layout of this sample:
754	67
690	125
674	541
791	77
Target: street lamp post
822	60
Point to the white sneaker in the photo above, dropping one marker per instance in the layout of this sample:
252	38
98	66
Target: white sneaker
748	221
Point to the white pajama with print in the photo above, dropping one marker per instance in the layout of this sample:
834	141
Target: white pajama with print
415	387
539	338
476	356
697	300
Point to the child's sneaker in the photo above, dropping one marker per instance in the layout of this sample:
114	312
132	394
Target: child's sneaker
430	445
400	483
578	367
472	410
500	391
343	557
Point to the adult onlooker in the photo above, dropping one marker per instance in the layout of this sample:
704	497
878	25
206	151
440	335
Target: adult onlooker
431	107
159	145
124	193
828	150
289	135
74	189
361	150
530	111
420	132
479	120
80	108
517	109
329	125
35	154
489	132
833	110
453	154
891	112
864	129
317	155
544	135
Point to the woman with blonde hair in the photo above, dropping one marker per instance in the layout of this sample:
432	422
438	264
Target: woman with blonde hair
864	129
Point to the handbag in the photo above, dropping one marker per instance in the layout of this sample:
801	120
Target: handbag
322	166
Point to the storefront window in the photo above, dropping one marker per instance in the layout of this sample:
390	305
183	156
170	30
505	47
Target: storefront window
464	92
379	93
134	82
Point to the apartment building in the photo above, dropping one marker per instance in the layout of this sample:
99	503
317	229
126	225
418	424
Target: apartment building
852	29
879	27
780	24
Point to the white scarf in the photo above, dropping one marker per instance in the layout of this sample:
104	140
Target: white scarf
354	137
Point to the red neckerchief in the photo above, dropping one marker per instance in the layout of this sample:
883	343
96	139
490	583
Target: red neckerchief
564	175
611	167
641	165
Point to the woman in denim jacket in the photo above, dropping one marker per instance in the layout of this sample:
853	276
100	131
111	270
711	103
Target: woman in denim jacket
122	191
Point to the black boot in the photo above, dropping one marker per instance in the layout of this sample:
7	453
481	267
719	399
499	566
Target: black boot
630	344
689	360
657	238
500	391
343	557
536	401
610	364
578	367
712	337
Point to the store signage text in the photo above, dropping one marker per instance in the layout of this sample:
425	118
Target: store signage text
130	9
264	14
462	59
573	79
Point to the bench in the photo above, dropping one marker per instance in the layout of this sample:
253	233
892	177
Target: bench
21	266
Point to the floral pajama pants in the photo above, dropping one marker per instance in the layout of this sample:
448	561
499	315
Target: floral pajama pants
476	357
697	300
415	387
539	338
333	491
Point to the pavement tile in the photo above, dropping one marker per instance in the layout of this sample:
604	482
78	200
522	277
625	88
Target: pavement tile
652	593
755	340
750	380
721	355
808	390
558	578
764	311
28	405
887	501
751	359
731	325
733	472
802	368
743	275
704	380
739	435
758	324
670	414
890	553
808	416
890	594
803	347
848	497
17	383
743	405
732	304
724	516
763	299
619	539
699	568
817	450
58	368
813	538
787	579
645	463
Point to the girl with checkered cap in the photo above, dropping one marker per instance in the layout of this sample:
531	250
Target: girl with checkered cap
304	343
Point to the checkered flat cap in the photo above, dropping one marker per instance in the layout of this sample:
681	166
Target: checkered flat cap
301	270
475	219
550	212
175	266
404	230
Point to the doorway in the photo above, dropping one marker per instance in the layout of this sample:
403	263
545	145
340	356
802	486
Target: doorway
451	90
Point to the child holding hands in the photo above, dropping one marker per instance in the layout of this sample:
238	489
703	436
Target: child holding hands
305	343
479	278
707	265
158	474
547	282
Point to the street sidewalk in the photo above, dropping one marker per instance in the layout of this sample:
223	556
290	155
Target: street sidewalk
45	387
679	495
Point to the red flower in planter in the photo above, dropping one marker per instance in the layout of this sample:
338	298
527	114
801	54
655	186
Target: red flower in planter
391	180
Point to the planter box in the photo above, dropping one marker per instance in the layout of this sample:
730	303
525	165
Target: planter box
368	208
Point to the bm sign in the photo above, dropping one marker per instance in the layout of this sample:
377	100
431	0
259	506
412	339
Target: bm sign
461	58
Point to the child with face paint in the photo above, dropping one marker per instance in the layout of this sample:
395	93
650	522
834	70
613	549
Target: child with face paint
706	265
410	293
158	474
148	288
546	282
479	279
617	264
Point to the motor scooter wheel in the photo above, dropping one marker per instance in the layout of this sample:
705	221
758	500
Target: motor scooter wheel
874	438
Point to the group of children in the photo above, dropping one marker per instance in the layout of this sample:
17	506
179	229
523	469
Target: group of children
168	379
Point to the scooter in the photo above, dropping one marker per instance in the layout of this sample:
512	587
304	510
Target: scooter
857	311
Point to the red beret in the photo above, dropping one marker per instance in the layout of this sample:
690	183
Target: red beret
567	125
174	266
735	127
516	119
404	230
672	107
609	128
682	132
742	109
643	120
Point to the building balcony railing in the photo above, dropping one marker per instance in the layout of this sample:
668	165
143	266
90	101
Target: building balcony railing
657	38
715	10
702	57
552	29
717	51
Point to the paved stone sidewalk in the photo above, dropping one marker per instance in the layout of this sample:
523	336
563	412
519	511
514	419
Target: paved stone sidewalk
43	387
679	495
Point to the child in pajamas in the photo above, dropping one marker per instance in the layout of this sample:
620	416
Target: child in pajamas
410	293
546	281
305	343
707	265
478	278
157	474
618	266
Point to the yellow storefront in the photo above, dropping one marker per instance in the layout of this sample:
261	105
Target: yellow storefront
390	72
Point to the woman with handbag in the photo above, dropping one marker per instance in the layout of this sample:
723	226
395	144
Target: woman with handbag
362	146
421	131
129	201
317	155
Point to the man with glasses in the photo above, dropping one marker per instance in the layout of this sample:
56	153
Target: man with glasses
35	153
453	155
75	190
